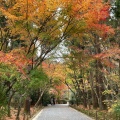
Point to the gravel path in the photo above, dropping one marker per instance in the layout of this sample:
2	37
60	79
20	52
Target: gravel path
60	112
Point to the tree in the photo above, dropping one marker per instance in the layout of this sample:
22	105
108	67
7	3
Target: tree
32	29
9	77
57	75
39	82
91	42
44	27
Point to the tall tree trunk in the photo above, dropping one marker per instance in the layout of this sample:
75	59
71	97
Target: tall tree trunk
84	99
100	85
9	103
19	108
27	108
94	96
99	76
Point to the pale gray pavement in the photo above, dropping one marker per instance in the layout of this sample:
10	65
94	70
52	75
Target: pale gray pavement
60	112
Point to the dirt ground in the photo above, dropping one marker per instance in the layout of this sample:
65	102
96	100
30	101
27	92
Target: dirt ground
14	113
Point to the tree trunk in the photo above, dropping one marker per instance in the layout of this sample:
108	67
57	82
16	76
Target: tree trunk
40	96
93	90
27	108
9	103
100	85
19	108
94	100
85	99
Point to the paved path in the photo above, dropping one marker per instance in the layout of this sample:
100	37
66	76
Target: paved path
60	112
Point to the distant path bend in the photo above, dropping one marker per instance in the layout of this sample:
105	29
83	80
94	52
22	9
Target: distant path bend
60	112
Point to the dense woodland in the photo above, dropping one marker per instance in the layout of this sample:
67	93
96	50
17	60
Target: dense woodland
88	74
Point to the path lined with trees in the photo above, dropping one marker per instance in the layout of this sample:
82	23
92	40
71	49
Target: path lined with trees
31	31
60	112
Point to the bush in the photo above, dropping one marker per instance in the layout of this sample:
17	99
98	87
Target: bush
116	109
46	99
72	102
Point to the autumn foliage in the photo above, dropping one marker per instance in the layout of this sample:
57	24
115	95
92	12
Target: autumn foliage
57	75
30	30
16	59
